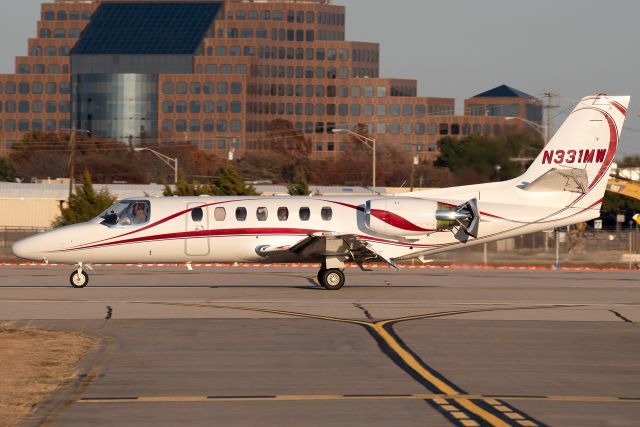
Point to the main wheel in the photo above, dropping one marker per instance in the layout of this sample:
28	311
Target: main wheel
79	280
332	279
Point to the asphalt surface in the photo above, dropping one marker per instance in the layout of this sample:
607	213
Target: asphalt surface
267	347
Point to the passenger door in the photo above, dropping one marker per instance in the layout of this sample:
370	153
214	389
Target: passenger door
197	225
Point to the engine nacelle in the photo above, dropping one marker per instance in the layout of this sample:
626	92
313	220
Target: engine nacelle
397	216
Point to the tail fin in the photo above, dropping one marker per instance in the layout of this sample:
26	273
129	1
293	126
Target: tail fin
586	141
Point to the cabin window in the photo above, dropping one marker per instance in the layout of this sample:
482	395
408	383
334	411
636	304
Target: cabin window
283	214
241	214
127	213
196	214
305	214
326	213
219	214
262	213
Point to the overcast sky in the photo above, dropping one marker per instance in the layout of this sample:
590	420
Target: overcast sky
458	48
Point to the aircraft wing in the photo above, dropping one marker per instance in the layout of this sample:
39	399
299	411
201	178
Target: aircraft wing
328	244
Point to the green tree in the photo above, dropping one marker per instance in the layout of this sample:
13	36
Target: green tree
184	188
299	186
478	158
84	204
617	203
230	183
7	170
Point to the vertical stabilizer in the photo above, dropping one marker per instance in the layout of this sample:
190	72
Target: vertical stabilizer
586	141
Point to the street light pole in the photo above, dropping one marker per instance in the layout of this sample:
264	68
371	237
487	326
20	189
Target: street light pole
371	144
165	159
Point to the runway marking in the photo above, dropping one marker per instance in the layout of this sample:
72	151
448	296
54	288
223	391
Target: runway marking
443	400
474	409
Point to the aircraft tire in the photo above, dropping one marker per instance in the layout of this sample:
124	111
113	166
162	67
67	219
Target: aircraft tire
79	280
331	279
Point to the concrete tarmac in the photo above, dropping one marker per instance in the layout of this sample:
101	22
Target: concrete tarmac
266	346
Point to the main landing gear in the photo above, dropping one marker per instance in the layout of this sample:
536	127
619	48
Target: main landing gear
331	279
79	278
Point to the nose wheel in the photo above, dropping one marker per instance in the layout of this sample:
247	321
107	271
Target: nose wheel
79	279
331	279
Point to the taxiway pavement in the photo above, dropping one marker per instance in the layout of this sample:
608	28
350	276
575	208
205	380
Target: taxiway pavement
241	346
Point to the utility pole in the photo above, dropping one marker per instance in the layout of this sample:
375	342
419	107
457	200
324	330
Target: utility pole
549	95
72	164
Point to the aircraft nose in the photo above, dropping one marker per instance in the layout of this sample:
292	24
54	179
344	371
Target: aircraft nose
26	248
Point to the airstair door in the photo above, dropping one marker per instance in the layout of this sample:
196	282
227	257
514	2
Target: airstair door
197	226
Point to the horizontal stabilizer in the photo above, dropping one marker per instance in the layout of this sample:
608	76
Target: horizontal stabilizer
572	180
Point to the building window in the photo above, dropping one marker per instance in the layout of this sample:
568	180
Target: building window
49	15
50	107
45	33
195	88
455	129
167	125
167	88
62	15
208	107
194	106
23	125
50	126
236	106
431	128
420	128
207	125
74	15
23	107
181	88
181	125
51	88
407	110
74	33
65	88
194	125
36	106
381	110
444	129
59	33
394	110
181	106
86	15
407	128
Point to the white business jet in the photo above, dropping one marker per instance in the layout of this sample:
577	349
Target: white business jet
564	185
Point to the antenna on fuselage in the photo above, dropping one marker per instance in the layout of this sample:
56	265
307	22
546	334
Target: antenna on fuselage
400	188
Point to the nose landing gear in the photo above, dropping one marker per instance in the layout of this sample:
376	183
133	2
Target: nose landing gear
79	278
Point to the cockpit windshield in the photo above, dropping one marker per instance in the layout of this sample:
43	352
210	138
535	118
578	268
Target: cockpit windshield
126	213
